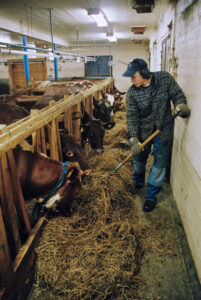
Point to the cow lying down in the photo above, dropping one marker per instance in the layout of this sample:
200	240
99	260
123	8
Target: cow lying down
40	175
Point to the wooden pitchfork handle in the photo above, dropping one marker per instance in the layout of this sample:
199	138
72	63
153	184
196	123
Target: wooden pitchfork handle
144	143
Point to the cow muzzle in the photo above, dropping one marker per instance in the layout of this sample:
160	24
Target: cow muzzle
86	172
99	150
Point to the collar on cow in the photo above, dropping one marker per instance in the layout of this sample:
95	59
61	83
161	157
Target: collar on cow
58	185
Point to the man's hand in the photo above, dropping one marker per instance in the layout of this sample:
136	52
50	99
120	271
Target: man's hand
183	110
135	145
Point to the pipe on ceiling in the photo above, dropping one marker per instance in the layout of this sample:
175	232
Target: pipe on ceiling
57	53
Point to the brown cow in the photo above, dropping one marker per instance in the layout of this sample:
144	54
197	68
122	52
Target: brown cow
72	151
39	174
93	130
9	113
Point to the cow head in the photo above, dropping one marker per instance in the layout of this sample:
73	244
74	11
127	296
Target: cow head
102	110
72	151
64	196
94	131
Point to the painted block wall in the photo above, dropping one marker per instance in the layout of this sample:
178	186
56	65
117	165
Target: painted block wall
186	159
122	54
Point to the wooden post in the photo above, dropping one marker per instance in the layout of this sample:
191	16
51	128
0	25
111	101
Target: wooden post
36	136
68	120
6	269
76	120
8	205
34	139
53	138
89	104
59	148
18	196
43	140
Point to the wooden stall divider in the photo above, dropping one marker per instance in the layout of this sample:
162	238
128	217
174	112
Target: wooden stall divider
104	89
53	140
38	141
68	120
59	148
8	206
43	140
89	104
19	199
76	120
6	270
34	138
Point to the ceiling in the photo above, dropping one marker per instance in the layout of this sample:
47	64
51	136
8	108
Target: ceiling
70	22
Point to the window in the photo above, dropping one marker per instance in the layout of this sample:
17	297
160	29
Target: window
165	54
99	68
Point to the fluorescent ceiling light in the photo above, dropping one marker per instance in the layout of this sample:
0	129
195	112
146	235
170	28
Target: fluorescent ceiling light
98	17
112	38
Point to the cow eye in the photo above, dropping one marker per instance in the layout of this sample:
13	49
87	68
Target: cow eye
69	153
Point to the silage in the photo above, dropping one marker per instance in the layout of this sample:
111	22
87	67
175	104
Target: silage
96	253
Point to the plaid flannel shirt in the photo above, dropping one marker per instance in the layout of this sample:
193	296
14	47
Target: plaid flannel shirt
147	108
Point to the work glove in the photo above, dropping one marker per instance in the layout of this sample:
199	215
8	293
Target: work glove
135	145
183	110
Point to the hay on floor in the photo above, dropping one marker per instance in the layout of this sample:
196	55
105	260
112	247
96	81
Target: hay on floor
96	253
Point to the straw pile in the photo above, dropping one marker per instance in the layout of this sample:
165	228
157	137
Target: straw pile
96	253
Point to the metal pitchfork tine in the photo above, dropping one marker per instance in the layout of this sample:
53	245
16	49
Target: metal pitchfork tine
143	144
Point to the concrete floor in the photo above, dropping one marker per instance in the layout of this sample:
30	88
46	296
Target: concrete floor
167	267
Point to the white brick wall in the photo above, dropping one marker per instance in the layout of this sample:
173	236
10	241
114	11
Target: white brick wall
186	173
186	160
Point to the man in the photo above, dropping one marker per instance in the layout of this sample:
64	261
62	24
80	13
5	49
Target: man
148	107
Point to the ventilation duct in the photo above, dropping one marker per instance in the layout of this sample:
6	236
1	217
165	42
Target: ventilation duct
143	6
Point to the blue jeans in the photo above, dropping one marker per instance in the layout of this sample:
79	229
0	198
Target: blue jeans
157	172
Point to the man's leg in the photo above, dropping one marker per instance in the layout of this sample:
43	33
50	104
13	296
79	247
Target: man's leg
139	166
157	173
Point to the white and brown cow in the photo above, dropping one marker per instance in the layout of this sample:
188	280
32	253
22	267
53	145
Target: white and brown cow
39	175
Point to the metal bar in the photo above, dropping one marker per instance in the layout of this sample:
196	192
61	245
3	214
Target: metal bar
43	50
26	63
51	27
55	65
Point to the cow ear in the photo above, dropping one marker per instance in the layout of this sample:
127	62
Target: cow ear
63	131
108	125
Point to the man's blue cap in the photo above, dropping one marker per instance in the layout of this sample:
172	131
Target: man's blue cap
136	65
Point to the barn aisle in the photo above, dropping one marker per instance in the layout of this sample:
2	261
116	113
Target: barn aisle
163	265
110	248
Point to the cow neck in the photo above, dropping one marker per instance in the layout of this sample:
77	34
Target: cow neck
58	185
